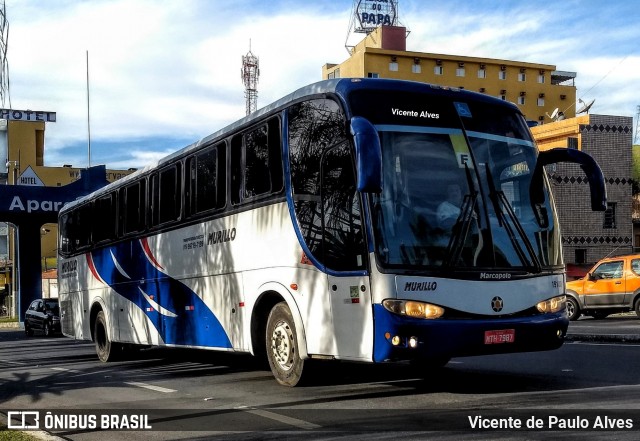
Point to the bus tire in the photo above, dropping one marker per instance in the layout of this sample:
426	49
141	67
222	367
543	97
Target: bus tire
282	346
573	310
636	307
107	350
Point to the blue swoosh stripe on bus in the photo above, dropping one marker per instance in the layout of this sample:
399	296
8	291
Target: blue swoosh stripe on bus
127	270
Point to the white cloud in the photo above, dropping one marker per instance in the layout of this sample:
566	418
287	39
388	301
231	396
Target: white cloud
165	73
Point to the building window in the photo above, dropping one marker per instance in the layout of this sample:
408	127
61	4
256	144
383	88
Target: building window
572	143
581	255
393	66
502	75
438	70
334	74
522	76
610	216
482	73
460	72
541	102
503	96
373	75
415	68
521	100
541	78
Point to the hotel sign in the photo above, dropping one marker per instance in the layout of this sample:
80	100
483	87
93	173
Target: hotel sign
371	14
27	115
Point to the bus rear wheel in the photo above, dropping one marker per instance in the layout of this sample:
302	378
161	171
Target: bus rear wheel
282	346
105	348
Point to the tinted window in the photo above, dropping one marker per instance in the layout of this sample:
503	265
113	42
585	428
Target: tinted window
256	162
257	179
166	195
208	179
75	229
132	203
104	221
323	183
343	237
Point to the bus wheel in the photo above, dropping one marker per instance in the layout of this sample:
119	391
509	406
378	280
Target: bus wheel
105	349
282	346
636	307
573	310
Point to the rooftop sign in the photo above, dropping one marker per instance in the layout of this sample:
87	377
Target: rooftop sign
27	115
371	14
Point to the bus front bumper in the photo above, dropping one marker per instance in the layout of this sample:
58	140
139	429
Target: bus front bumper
402	338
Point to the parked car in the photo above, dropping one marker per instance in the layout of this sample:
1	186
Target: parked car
43	315
612	285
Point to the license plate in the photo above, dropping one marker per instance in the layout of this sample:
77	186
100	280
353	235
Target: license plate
501	336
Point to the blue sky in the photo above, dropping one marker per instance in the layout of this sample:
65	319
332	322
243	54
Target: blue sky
165	73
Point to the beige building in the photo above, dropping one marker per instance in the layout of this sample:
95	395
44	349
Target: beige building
537	89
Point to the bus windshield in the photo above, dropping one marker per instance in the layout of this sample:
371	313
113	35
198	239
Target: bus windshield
457	198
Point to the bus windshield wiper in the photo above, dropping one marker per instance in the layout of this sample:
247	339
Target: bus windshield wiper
509	222
462	225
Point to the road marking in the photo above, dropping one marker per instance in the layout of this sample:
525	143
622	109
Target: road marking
19	363
73	371
295	422
151	387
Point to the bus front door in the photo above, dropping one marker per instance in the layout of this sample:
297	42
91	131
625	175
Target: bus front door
345	256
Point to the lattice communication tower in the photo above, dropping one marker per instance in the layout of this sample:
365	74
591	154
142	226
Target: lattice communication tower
250	74
4	64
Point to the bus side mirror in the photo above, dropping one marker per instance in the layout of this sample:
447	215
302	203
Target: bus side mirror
368	155
589	166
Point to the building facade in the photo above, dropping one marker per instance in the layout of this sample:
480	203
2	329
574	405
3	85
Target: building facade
537	89
588	236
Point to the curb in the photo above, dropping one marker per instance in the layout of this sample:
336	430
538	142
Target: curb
604	338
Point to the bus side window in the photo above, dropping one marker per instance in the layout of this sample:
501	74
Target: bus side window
207	179
257	179
343	238
165	194
132	203
236	169
104	221
323	185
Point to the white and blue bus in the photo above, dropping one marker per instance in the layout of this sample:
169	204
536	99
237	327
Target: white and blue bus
355	219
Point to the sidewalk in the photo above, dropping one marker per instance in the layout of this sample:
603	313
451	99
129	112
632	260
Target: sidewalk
617	328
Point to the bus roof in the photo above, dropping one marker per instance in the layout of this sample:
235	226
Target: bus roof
340	86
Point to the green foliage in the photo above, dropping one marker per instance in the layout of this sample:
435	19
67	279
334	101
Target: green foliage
635	168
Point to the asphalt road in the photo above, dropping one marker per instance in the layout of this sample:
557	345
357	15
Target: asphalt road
204	395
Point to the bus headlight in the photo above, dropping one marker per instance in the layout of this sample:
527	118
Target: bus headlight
552	305
412	308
